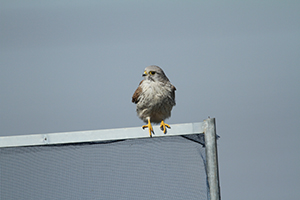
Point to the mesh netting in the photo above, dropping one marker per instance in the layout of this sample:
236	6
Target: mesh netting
153	168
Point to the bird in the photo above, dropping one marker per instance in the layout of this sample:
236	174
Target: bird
154	98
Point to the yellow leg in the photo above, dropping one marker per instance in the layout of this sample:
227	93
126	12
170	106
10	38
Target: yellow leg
164	125
149	126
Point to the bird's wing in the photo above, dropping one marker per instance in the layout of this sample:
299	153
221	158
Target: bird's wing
173	92
173	88
137	93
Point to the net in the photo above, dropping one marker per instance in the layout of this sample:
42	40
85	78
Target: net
147	168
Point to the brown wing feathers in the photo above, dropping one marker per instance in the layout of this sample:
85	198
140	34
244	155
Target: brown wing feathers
137	93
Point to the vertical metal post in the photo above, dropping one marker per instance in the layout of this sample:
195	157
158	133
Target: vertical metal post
212	159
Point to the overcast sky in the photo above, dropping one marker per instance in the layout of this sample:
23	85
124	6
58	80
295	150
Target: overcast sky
74	65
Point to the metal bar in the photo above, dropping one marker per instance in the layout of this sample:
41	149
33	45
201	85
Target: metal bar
98	135
212	158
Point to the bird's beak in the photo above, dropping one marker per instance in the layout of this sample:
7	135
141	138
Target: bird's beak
145	73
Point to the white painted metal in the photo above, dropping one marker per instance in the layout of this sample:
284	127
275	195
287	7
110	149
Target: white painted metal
98	135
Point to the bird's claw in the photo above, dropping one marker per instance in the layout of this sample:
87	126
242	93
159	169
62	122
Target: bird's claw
149	126
163	126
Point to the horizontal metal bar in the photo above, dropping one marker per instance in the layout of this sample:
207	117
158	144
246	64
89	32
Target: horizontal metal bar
98	135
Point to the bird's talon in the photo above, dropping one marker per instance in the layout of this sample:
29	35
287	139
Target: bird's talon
149	126
163	126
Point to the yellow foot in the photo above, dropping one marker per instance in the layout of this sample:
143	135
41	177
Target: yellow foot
149	126
164	125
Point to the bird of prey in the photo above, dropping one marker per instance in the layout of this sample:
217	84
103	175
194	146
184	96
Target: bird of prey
154	98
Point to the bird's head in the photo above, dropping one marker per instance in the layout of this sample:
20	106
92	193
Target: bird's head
154	73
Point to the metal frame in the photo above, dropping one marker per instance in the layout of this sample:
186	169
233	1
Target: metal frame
212	158
98	135
207	127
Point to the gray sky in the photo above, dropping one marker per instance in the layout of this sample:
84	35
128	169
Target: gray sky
74	65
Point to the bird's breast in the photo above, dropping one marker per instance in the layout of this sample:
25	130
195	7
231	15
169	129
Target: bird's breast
155	93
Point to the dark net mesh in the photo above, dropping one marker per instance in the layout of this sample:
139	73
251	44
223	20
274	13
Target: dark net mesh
154	168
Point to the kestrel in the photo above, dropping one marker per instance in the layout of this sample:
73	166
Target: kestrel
154	98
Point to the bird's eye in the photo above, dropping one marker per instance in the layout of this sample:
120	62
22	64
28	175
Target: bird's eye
151	73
